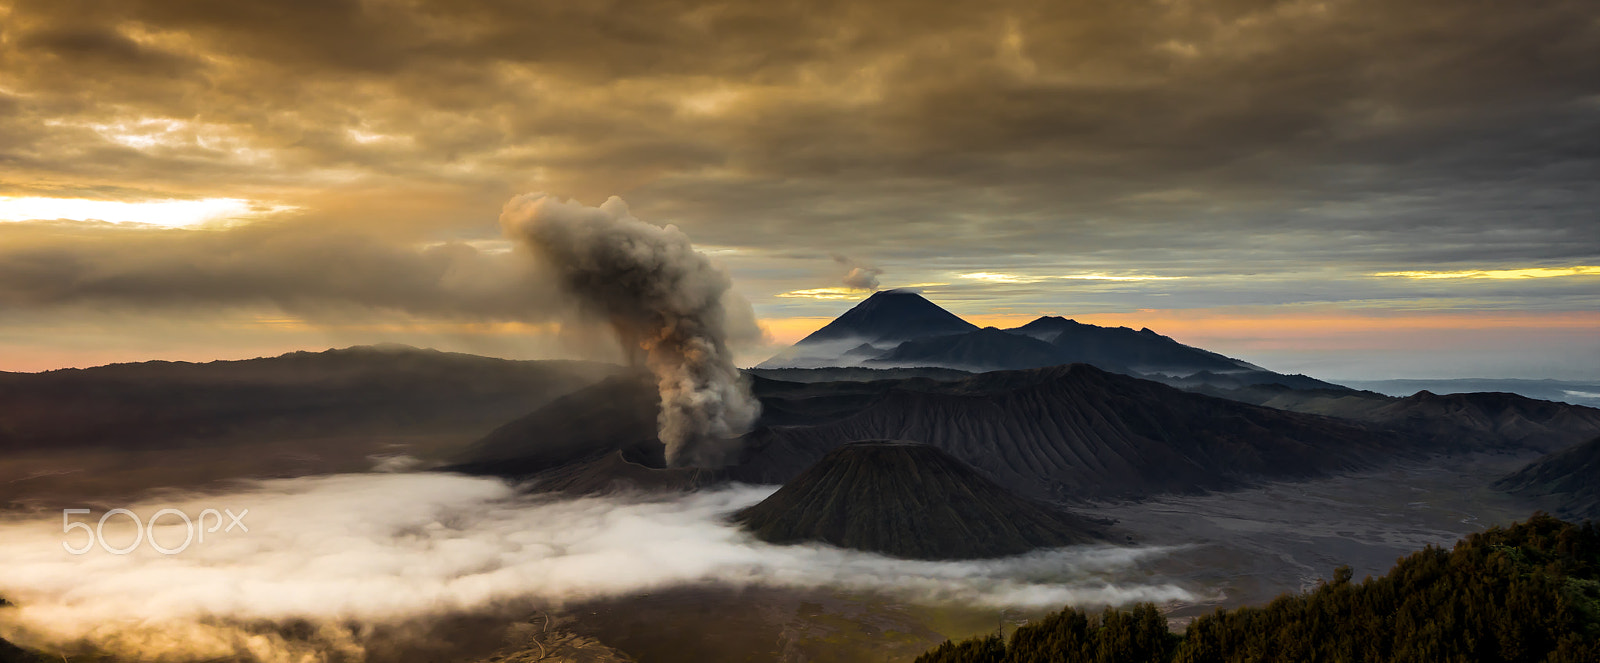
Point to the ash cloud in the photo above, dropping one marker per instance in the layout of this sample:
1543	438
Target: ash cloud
859	276
666	302
342	557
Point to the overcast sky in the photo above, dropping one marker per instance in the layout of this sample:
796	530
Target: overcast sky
1344	188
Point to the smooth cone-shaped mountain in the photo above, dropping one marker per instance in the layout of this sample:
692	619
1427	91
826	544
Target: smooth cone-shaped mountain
1567	481
909	500
891	315
880	322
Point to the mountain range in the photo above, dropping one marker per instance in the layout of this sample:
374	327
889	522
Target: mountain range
1062	433
1566	391
1055	433
1447	421
902	329
1077	432
365	390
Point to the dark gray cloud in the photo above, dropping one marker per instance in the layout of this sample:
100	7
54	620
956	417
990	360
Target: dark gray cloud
290	266
1272	151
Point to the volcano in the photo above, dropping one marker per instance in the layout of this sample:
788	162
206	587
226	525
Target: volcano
880	322
902	329
909	500
1061	433
1077	432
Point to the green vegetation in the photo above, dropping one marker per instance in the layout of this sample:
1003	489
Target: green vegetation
1528	592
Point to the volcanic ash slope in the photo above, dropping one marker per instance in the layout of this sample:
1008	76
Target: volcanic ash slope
909	500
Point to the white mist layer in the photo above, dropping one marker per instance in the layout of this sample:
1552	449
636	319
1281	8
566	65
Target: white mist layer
387	548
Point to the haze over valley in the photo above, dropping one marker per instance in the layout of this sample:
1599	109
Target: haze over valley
362	331
391	514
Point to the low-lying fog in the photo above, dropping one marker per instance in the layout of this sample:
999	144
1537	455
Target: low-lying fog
338	554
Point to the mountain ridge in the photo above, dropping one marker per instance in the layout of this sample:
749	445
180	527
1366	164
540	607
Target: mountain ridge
873	335
1565	480
356	390
1077	432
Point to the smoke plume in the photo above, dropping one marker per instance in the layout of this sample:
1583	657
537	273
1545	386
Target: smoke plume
663	298
860	277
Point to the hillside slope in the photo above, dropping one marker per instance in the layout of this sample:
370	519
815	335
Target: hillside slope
370	390
1484	419
1567	481
1450	421
1079	432
909	500
615	414
1528	592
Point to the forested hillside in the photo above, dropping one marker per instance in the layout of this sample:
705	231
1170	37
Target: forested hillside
1528	592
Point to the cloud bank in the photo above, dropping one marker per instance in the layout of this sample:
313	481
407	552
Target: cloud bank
338	554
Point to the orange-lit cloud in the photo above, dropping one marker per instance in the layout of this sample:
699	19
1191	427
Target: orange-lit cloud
1041	156
1002	277
169	213
1522	273
825	294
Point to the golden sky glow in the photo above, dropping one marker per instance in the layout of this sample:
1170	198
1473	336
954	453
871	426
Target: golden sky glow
826	294
169	213
342	164
1523	273
999	277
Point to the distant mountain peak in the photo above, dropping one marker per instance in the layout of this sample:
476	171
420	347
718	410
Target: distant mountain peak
884	320
1050	320
890	311
888	314
902	329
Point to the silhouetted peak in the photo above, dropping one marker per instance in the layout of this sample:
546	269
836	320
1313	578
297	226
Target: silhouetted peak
1049	322
892	315
896	300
